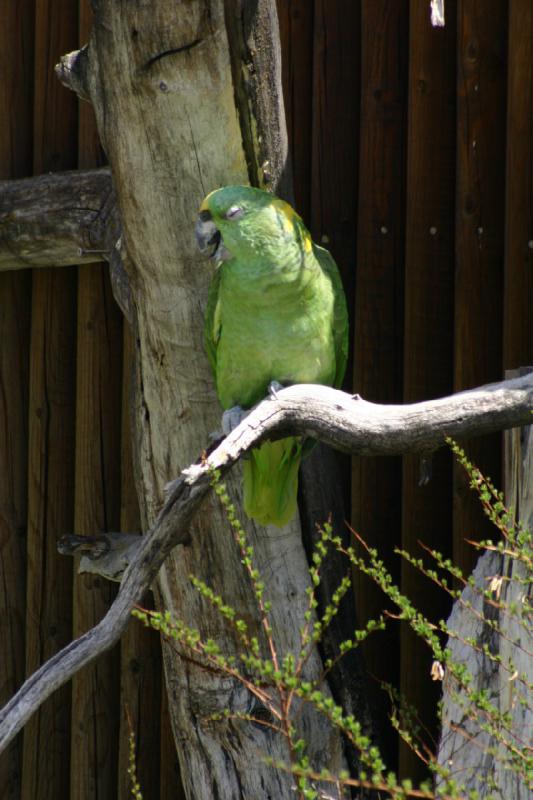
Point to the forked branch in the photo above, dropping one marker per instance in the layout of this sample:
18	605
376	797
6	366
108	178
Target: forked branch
345	422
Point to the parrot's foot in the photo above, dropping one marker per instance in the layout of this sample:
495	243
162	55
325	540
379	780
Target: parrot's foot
232	417
273	388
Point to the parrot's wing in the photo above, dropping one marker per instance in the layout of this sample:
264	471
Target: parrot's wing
340	313
212	320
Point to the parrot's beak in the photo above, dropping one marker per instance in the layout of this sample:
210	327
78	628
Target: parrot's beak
207	234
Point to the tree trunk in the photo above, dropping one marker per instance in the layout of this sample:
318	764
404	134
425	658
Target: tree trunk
188	98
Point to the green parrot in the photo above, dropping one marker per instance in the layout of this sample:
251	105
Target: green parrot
276	314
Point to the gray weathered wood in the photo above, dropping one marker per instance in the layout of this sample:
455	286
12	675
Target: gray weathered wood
53	219
476	759
64	218
316	410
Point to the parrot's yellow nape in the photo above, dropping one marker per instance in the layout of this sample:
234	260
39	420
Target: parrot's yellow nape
205	201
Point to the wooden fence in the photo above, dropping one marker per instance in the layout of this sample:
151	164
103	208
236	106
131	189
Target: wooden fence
413	162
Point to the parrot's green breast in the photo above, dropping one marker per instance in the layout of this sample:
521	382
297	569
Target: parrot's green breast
271	332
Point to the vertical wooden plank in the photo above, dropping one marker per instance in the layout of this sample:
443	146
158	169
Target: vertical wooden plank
94	744
51	454
335	132
141	663
170	780
50	515
55	124
333	221
296	19
479	239
333	201
376	483
518	293
428	343
15	301
15	89
96	690
90	153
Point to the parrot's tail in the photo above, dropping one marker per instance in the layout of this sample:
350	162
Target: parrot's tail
271	481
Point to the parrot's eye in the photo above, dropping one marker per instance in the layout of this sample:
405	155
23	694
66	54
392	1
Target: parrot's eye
234	212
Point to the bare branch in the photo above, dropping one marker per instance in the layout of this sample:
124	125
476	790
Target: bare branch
106	554
72	72
57	219
61	219
355	426
346	422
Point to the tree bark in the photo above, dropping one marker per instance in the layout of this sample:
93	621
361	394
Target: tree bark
188	98
56	219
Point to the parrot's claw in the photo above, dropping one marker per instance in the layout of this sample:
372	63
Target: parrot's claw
273	388
232	418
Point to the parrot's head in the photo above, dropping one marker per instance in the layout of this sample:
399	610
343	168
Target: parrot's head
245	223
